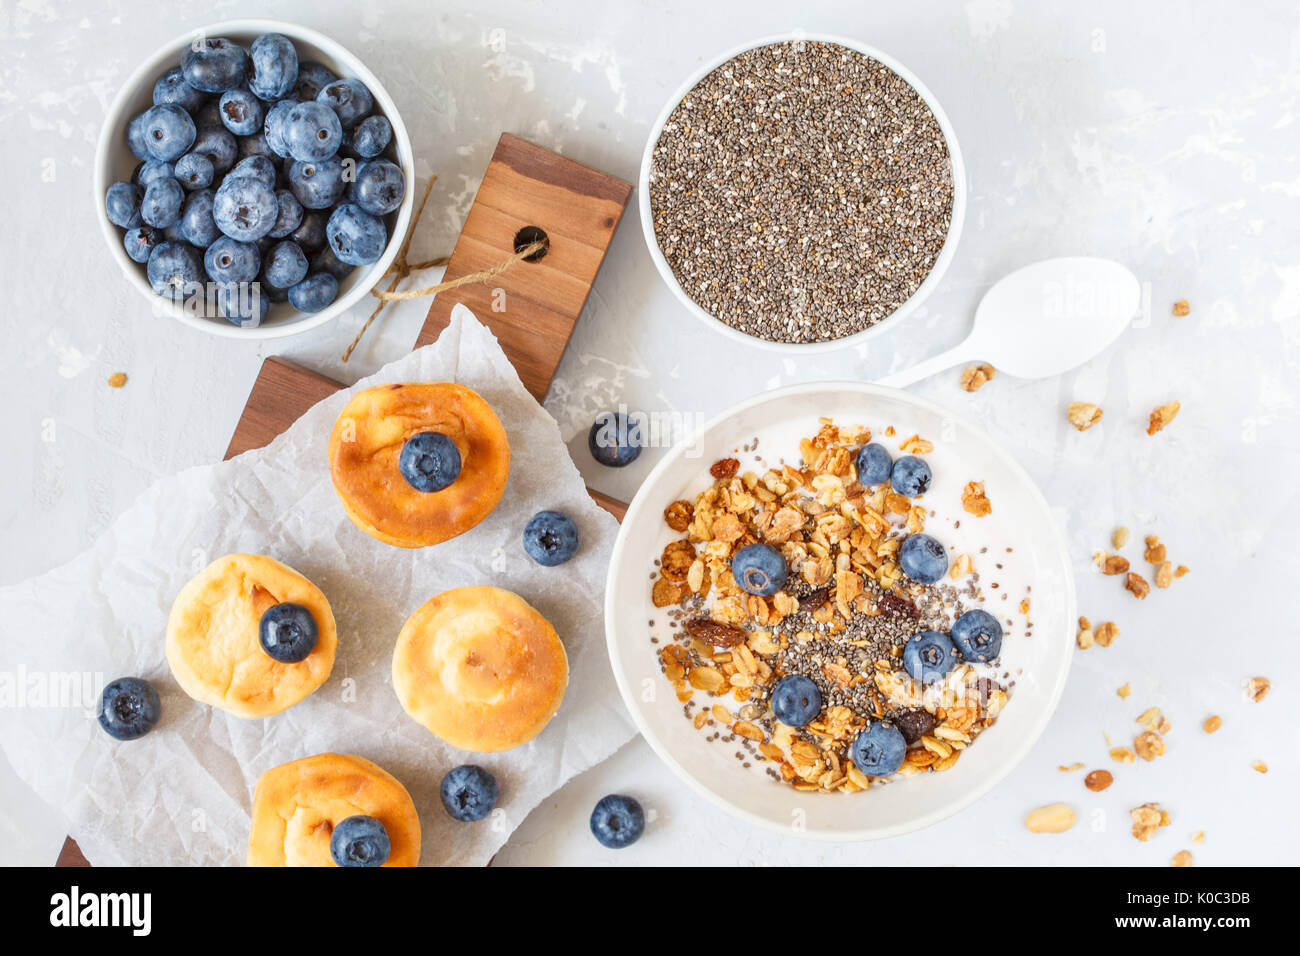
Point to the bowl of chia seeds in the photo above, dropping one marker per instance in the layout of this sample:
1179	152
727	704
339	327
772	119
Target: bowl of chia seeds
802	193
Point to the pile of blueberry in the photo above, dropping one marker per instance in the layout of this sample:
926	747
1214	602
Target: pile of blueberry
261	180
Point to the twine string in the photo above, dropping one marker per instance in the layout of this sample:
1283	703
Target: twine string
401	269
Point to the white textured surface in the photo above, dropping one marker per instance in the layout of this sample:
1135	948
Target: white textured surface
1152	133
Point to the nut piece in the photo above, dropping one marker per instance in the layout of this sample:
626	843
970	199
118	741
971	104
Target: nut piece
1164	574
1181	308
117	380
1106	633
1098	780
1181	858
1119	538
1212	724
678	515
1257	688
1053	818
1162	416
1083	415
1259	766
975	377
1147	819
1137	584
1114	564
1149	745
1124	692
974	501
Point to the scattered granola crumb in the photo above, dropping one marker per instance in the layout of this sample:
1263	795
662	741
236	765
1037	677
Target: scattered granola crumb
974	500
1053	818
1198	837
1119	537
1149	745
1098	780
1212	724
1181	858
1147	819
678	515
117	380
1259	766
1124	692
1181	308
1122	755
1149	718
1114	564
1155	551
975	377
1257	688
961	567
1137	584
1085	636
1181	570
1083	415
1162	416
1106	633
1071	768
1164	575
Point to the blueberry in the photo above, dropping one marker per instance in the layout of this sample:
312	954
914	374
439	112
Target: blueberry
796	700
311	131
288	215
319	184
430	461
314	293
218	144
759	569
146	173
241	112
141	241
273	295
242	303
254	145
214	65
129	708
136	138
287	632
349	99
208	116
372	136
360	841
879	750
929	655
273	126
259	167
914	724
172	88
194	171
922	558
356	237
122	203
324	260
468	793
168	131
978	634
550	538
229	260
197	225
310	234
617	821
161	206
272	66
910	476
312	78
614	440
379	188
245	208
874	464
285	265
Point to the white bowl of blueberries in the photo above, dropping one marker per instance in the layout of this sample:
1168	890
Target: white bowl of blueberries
254	179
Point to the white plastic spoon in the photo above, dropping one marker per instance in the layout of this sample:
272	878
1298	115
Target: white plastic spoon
1042	320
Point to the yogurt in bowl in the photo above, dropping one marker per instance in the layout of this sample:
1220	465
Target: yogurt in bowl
706	702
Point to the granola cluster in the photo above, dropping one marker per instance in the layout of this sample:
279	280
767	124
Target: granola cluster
842	618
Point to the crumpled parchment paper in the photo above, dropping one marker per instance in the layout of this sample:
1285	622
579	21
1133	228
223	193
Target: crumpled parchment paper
181	795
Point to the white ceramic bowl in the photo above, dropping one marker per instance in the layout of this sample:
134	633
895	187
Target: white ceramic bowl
894	318
1038	663
114	162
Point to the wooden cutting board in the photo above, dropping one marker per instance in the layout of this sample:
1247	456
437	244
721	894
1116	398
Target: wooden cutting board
531	308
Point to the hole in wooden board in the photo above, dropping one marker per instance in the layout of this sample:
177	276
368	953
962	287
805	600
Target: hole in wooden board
526	236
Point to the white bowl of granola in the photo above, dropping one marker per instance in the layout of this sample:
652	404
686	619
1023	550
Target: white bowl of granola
701	701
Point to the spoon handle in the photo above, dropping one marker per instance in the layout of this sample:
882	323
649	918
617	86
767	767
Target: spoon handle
930	366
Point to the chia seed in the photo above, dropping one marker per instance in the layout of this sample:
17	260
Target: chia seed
801	192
